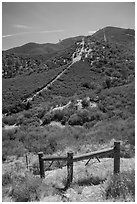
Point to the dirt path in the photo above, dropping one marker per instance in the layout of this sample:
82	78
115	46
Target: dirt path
50	83
74	60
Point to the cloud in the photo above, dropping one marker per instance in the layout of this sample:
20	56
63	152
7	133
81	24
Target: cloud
50	31
6	36
91	32
21	26
33	32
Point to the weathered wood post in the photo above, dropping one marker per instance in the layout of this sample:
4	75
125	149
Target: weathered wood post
26	161
69	168
116	157
41	165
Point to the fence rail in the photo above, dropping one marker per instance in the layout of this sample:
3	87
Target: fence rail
93	154
55	158
70	160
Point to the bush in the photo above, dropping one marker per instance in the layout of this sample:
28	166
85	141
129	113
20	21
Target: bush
6	179
20	119
47	118
127	150
35	141
35	168
52	144
9	134
26	189
75	120
96	115
86	85
58	115
84	115
106	83
12	147
93	85
40	112
90	180
85	103
9	120
27	114
121	185
90	124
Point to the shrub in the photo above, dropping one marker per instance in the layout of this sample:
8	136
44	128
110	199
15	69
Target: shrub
47	118
20	119
121	185
40	112
12	147
58	115
85	103
52	144
35	141
106	83
35	168
26	189
96	115
93	85
27	114
90	124
6	179
69	111
64	120
84	115
75	120
90	180
86	85
127	150
9	134
9	120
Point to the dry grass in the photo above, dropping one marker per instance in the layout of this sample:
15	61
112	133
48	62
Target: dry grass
89	182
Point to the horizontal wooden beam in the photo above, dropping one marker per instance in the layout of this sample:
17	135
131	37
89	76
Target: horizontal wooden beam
55	158
93	154
81	157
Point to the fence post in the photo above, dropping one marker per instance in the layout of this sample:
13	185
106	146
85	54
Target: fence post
116	157
27	161
69	168
41	165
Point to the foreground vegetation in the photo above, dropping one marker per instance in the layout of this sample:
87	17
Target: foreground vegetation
89	183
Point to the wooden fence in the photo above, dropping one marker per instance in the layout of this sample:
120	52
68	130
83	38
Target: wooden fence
115	151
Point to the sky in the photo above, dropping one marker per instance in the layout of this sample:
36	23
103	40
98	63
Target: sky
44	22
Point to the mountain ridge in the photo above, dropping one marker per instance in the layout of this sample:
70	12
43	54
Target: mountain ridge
33	48
45	48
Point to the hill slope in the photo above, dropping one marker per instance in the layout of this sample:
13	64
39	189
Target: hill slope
121	36
96	65
43	49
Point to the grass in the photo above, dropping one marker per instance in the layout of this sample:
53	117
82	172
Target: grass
26	189
90	183
121	185
52	139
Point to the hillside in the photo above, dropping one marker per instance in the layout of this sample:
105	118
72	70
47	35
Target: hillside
80	98
43	49
37	57
95	65
125	37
